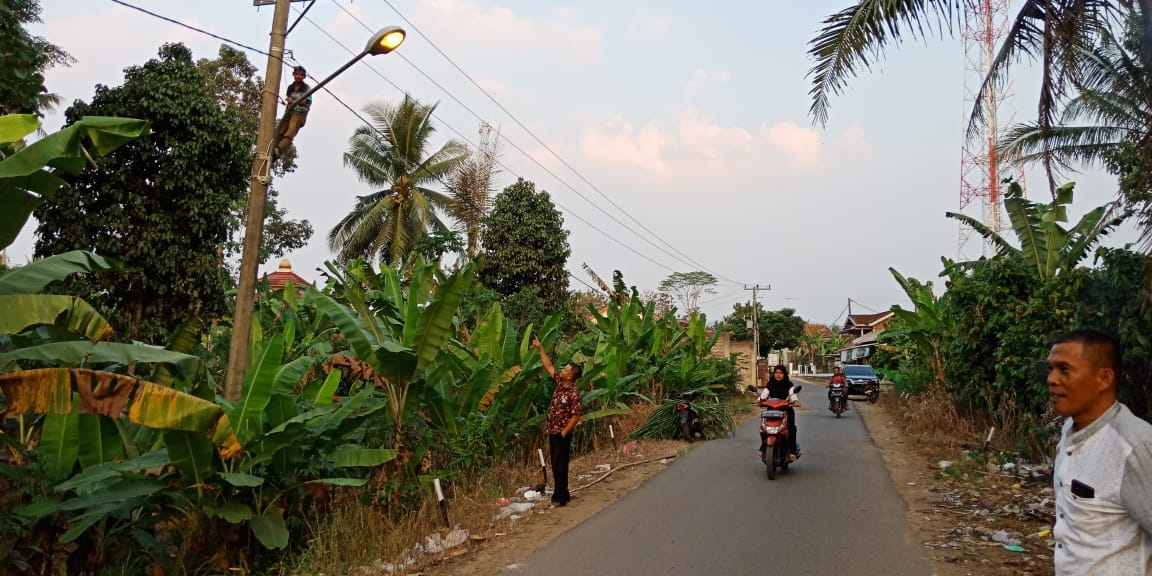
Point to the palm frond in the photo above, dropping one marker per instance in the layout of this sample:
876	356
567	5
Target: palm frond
1002	245
852	38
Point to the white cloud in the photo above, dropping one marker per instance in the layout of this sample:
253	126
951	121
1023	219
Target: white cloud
472	24
702	80
694	148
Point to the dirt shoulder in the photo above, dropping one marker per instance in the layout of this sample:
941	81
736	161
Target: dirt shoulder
972	516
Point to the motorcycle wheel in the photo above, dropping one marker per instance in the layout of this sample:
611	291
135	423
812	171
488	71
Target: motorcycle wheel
838	411
686	431
771	462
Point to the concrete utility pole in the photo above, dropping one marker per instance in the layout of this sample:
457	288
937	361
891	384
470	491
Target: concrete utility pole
756	325
257	198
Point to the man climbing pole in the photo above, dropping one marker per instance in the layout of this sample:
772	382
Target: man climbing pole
298	109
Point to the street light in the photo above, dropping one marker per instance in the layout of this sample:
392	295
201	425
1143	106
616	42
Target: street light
382	42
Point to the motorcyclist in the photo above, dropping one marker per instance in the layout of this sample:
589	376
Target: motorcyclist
837	376
781	388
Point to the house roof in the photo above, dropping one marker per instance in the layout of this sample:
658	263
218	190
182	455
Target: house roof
284	274
861	320
865	340
820	330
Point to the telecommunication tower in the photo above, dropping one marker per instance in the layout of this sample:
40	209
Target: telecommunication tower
981	173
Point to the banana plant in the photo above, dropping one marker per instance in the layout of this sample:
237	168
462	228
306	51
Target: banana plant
399	332
33	173
1046	245
924	325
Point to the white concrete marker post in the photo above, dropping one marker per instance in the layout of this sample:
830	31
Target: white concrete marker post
612	433
443	503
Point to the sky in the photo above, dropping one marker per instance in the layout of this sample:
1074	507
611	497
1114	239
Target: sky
673	136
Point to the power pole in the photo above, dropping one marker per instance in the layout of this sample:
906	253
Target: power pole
257	198
756	326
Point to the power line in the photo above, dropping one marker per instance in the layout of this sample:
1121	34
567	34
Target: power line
283	60
727	296
195	29
501	164
590	287
537	138
684	259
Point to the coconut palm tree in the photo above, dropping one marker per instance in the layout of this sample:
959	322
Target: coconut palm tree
1115	99
392	154
1055	32
1109	119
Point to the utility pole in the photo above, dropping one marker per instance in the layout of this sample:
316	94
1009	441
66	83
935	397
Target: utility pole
756	325
257	198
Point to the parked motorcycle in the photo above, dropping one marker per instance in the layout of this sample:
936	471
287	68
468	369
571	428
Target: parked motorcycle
872	392
690	424
838	397
774	424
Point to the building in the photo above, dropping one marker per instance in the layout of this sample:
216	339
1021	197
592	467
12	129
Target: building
283	275
863	329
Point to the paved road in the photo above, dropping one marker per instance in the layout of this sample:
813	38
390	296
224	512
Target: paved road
714	512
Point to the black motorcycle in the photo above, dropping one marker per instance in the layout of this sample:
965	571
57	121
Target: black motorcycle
690	424
838	397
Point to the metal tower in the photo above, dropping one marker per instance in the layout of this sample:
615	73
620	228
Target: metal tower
985	22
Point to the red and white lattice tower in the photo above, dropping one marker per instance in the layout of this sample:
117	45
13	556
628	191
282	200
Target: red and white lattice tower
985	22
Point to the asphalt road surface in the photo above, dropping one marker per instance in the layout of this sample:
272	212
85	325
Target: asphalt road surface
714	512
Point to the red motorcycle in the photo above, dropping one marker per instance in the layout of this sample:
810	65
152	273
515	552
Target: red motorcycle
774	425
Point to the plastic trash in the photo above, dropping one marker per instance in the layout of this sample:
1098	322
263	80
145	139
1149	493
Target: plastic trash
1002	537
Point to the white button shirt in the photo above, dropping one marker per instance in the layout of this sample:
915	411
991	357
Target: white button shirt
1103	483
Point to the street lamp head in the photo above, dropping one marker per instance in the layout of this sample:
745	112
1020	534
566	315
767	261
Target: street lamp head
385	41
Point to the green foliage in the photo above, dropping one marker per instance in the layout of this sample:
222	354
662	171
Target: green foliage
33	173
986	339
1044	243
715	421
526	248
1111	299
163	201
394	155
687	287
24	58
778	330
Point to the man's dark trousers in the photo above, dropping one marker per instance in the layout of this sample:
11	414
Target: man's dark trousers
560	450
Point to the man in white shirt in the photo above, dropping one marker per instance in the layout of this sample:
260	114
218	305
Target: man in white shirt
1103	470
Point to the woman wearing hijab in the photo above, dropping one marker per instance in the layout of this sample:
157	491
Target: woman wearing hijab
781	388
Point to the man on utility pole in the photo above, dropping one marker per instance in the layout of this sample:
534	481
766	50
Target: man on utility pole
257	198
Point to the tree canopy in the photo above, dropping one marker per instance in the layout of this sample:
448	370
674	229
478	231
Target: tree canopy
24	58
525	251
161	205
688	287
778	330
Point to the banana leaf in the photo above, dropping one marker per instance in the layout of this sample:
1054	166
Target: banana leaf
50	391
83	352
33	277
19	313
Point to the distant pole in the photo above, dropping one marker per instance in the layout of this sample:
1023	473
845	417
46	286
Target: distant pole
756	328
257	198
